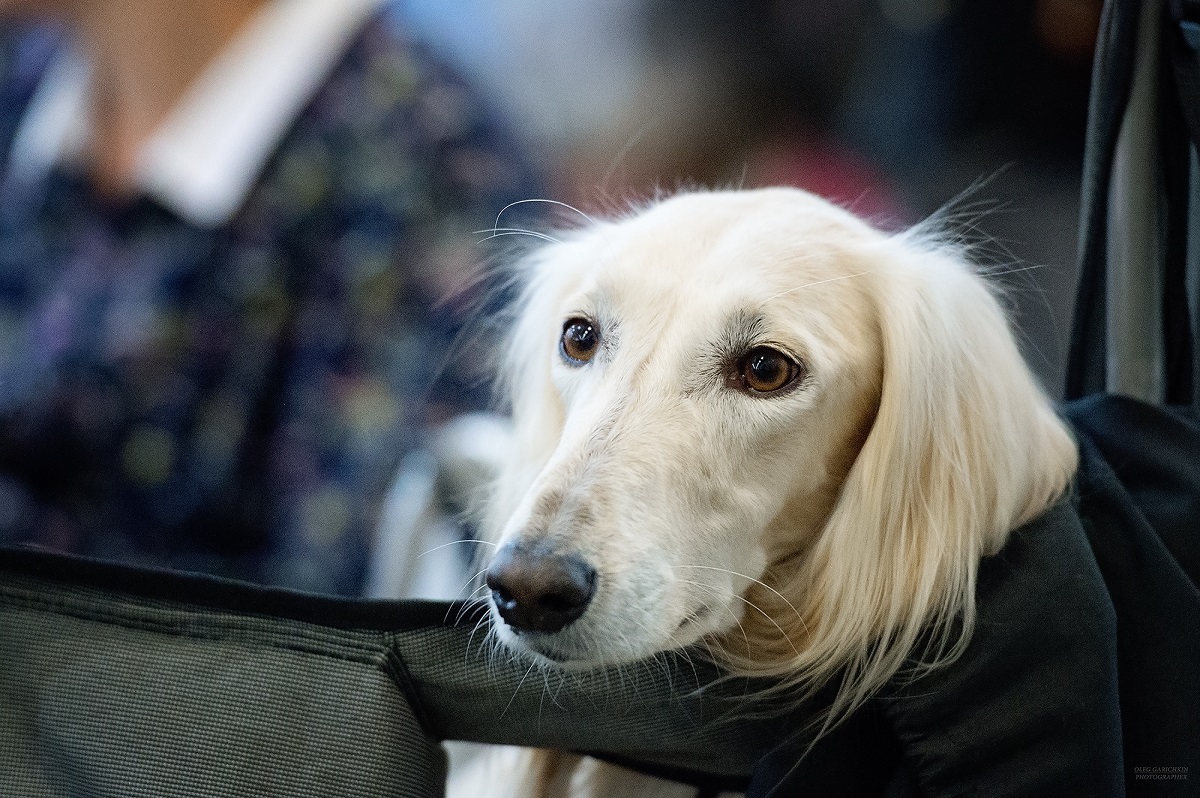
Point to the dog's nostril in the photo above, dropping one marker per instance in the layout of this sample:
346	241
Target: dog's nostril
540	591
502	595
557	602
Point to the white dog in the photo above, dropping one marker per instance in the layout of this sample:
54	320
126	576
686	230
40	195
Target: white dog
752	421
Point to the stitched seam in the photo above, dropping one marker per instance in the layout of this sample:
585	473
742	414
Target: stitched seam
227	629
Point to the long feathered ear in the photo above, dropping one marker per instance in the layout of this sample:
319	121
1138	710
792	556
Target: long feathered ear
965	447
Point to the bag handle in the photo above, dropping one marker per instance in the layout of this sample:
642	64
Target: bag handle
1184	285
1160	274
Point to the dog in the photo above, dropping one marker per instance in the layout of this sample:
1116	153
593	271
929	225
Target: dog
752	422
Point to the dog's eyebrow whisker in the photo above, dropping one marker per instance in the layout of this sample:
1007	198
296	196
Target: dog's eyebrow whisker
817	282
499	232
741	183
626	148
862	195
547	202
1014	270
759	582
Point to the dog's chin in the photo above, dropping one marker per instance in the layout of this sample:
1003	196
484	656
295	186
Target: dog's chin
543	651
574	649
546	650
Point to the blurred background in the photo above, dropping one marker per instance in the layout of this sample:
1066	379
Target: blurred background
892	107
228	229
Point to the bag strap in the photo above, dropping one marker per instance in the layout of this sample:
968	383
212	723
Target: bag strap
1136	304
1112	74
1185	287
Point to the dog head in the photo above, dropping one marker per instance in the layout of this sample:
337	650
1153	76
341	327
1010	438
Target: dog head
750	418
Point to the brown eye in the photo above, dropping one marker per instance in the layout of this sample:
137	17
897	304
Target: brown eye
766	370
580	340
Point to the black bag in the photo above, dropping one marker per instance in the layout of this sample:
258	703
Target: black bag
1139	483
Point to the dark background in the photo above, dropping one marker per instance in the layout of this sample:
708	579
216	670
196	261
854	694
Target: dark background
893	107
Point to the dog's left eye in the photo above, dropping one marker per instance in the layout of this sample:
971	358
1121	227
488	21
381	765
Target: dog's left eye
766	370
579	341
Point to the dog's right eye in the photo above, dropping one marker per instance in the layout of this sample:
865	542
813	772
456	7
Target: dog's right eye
764	370
579	342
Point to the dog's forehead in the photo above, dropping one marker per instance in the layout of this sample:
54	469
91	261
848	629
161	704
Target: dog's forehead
700	248
707	272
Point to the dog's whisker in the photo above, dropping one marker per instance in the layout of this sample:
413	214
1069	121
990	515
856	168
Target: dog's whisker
463	541
684	651
782	632
760	583
725	607
471	579
500	233
741	182
1015	270
786	637
815	282
470	602
545	201
623	153
471	637
517	690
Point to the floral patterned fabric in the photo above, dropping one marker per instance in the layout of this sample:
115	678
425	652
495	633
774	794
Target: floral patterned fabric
236	400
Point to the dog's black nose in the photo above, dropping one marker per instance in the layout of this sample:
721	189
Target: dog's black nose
540	591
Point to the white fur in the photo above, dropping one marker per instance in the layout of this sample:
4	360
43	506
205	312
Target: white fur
815	532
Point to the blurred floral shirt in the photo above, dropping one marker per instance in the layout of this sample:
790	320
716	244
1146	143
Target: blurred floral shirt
234	396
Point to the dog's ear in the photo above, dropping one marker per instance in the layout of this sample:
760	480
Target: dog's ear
965	447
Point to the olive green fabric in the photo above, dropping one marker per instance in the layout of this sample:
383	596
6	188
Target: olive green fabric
121	682
104	697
